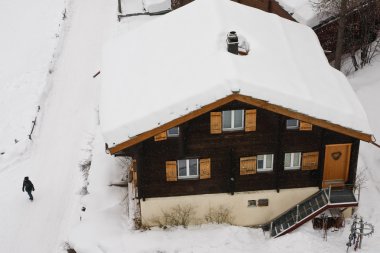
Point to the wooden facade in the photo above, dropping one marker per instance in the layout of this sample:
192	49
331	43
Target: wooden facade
221	155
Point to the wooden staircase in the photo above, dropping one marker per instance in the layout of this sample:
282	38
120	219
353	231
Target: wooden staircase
310	208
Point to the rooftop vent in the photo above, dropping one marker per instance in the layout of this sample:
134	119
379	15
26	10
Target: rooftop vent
237	44
232	42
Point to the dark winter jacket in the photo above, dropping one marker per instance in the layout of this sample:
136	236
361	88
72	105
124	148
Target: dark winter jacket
27	185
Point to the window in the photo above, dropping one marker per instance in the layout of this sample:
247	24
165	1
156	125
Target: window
265	162
292	161
292	124
173	132
252	203
233	120
263	202
188	168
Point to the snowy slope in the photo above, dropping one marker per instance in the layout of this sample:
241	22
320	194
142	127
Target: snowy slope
366	83
30	32
65	128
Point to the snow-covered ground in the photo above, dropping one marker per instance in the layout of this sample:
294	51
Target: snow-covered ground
66	121
30	36
67	131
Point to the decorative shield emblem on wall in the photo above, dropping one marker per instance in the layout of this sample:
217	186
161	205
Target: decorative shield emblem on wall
336	155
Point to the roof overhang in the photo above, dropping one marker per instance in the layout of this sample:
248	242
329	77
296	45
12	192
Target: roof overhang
248	100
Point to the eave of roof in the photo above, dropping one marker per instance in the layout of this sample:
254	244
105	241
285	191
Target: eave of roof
248	100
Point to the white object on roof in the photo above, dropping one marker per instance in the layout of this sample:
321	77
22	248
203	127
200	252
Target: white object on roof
153	6
302	11
179	63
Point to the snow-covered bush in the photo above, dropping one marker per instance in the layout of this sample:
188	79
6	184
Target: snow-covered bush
180	215
219	215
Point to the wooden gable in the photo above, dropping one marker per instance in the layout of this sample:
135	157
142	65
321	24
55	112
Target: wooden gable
248	100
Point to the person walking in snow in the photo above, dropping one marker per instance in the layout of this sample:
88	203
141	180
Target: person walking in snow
28	187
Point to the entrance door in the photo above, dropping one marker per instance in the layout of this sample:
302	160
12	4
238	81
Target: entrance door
337	162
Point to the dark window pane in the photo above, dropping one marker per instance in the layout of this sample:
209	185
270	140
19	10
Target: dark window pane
269	161
227	119
182	168
260	162
297	159
173	131
193	166
238	117
287	160
291	124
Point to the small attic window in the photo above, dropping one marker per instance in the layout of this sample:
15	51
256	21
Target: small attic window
237	44
292	124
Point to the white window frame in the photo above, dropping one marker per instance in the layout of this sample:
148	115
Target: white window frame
188	176
233	128
292	127
264	169
173	135
292	165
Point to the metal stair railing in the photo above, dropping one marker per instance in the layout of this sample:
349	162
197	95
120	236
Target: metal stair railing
297	213
301	212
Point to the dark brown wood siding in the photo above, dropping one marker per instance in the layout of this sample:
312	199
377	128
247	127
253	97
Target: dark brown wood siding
225	151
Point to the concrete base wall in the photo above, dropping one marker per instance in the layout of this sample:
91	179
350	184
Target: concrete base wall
242	214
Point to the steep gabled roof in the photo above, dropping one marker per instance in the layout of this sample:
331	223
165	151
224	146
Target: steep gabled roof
178	64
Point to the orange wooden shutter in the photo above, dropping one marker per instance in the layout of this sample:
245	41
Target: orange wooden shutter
161	136
250	120
216	122
248	165
205	168
171	171
305	126
310	161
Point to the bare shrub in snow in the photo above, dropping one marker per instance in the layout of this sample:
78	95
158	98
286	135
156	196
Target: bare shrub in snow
361	179
180	215
84	167
67	247
219	215
365	55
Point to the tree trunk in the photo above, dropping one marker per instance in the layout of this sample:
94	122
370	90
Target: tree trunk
340	38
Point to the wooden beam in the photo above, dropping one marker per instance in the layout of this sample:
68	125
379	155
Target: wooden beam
300	116
172	124
248	100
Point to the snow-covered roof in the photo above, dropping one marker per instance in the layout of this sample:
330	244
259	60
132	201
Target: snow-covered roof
153	6
302	11
178	63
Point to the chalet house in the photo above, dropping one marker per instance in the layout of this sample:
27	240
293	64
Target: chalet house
255	120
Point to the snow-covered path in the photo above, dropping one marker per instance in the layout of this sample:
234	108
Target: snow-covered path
67	123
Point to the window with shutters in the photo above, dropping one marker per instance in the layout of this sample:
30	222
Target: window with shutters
292	124
173	132
188	168
292	161
265	163
233	120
